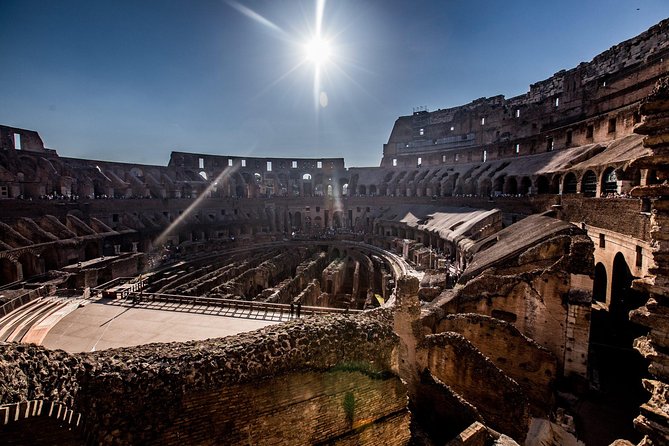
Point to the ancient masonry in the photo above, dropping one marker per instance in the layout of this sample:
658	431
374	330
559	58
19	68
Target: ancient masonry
501	278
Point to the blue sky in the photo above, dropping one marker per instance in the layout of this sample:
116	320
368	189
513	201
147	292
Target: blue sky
133	80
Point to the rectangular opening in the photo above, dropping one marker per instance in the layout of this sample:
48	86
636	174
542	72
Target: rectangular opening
569	138
602	241
243	163
456	157
443	158
269	166
517	113
294	164
517	149
612	125
484	156
319	164
557	102
483	120
550	144
17	141
420	161
200	163
394	162
639	257
421	132
115	218
229	162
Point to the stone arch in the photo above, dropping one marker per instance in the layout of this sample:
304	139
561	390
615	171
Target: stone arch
91	250
297	221
600	283
362	190
609	181
56	421
621	281
51	260
570	184
543	185
30	264
372	190
485	187
525	186
589	184
8	271
511	186
555	184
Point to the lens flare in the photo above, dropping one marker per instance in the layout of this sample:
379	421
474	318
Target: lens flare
317	51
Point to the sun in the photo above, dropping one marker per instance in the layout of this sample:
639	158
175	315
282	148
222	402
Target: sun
317	51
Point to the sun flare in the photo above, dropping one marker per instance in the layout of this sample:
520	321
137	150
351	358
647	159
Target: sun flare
317	51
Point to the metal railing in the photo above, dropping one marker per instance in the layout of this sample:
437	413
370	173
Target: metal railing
237	305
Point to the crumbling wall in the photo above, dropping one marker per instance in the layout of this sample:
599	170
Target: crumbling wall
532	366
654	418
318	380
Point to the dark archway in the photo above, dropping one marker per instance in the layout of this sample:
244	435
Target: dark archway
609	182
543	185
92	250
511	186
615	367
570	184
297	221
30	265
600	283
8	271
525	186
589	184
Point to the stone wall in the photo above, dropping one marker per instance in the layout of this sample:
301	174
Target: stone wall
654	418
342	365
532	366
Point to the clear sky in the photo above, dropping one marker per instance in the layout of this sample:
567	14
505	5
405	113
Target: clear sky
132	80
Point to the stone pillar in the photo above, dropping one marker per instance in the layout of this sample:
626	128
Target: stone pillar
654	418
408	327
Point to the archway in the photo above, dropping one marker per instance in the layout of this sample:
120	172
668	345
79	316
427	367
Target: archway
599	285
570	184
8	271
525	186
511	186
92	250
543	185
609	181
297	221
30	265
615	367
485	187
589	184
362	190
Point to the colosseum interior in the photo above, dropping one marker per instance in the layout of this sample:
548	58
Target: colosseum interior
501	278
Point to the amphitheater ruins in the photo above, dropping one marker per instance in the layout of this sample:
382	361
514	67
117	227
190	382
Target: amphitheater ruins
501	278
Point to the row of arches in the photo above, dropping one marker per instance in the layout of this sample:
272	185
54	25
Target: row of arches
32	263
590	183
